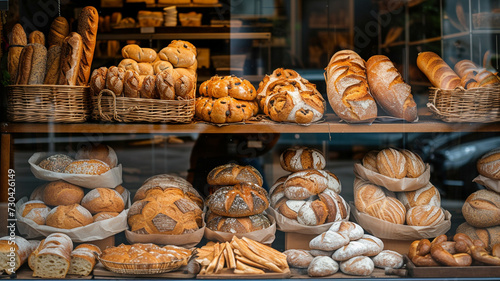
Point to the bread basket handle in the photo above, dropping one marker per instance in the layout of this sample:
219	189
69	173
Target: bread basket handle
105	117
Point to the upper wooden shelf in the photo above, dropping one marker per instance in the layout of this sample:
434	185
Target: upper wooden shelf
331	125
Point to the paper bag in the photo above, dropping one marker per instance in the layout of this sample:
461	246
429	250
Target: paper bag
392	184
491	184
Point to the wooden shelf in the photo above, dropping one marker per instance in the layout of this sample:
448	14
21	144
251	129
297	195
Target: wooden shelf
331	125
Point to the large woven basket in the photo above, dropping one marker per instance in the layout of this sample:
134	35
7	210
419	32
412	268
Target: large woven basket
460	105
48	103
108	107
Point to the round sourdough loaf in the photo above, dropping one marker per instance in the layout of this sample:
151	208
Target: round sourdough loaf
489	164
424	215
427	195
366	195
69	216
238	225
351	229
289	208
104	216
239	200
298	258
322	266
391	163
306	183
300	158
388	259
360	265
87	167
415	166
56	163
372	243
277	191
336	205
369	160
231	174
34	210
329	241
351	250
482	208
388	209
99	151
62	193
312	213
103	200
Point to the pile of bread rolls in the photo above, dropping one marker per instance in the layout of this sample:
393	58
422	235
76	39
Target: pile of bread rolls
467	74
421	207
354	88
285	96
165	204
481	209
20	247
343	246
309	195
144	73
238	201
66	57
226	99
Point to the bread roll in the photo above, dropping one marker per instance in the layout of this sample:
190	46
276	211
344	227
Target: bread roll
231	174
296	159
322	266
424	215
36	36
357	266
56	163
103	200
14	251
389	89
329	241
306	183
388	259
482	208
87	167
88	21
298	258
489	236
165	84
185	84
98	80
53	65
34	210
239	200
131	84
427	195
179	53
218	87
238	225
114	80
145	68
148	88
135	52
62	193
437	71
391	163
347	88
104	216
161	65
17	41
388	209
489	164
224	110
59	29
71	58
69	216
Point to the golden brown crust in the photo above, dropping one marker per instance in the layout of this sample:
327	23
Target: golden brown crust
103	200
179	53
71	57
135	52
437	71
224	110
36	36
59	29
482	209
98	80
238	225
53	65
218	87
88	21
69	216
60	192
391	163
231	174
239	200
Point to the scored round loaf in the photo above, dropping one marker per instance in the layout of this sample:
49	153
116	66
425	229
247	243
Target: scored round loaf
388	209
388	259
104	216
482	208
367	194
101	152
231	174
62	193
369	160
351	250
329	241
360	265
391	163
69	216
322	266
296	159
171	212
298	258
489	164
277	191
352	230
238	225
489	235
103	200
37	193
415	166
218	87
312	213
306	183
336	205
87	167
34	210
424	215
427	195
239	200
372	243
56	163
289	208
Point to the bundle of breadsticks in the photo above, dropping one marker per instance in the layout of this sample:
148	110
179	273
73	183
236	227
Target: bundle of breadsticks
242	256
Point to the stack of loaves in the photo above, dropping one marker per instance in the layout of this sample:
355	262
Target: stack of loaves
309	195
166	204
226	99
143	73
345	243
481	209
14	252
285	96
55	257
421	207
64	205
66	57
238	201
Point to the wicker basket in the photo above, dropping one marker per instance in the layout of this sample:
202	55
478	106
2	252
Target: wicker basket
138	268
460	105
108	107
48	103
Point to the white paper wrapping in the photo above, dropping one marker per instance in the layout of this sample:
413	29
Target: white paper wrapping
387	230
491	184
264	236
392	184
110	179
288	225
94	231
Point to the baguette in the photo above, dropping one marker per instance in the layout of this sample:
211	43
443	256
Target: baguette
36	36
389	89
467	71
437	71
71	54
87	28
59	29
53	65
17	41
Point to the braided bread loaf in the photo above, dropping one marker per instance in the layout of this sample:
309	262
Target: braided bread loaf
218	87
347	88
286	96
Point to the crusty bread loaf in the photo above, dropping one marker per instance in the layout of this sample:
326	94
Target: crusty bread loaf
391	163
165	84
34	210
83	259
71	58
69	216
239	200
103	200
351	229
489	164
322	266
347	88
277	191
14	252
312	212
298	258
388	209
161	65
37	193
424	215
467	71
59	29
482	208
415	166
427	195
388	259
389	89
114	80
367	194
87	167
351	250
56	163
369	160
289	208
300	158
360	265
131	84
329	241
373	245
17	41
145	254
145	68
148	88
98	80
52	259
99	151
336	206
238	225
224	110
88	21
53	66
179	53
104	216
129	64
489	236
231	174
32	65
437	71
36	36
135	52
306	183
185	84
61	192
223	86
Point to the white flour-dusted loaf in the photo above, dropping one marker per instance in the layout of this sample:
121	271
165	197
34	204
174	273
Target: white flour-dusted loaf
300	158
360	265
322	266
388	259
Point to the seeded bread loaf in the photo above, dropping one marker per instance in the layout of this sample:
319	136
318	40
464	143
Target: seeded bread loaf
56	163
17	41
87	167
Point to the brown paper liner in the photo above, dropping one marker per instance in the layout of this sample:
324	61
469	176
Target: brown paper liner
491	184
264	236
386	230
188	240
392	184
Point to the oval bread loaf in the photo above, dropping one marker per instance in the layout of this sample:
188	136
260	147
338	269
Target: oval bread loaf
489	164
306	183
427	195
87	167
298	258
424	215
296	159
322	266
388	259
482	208
231	174
437	71
360	265
240	200
69	216
62	193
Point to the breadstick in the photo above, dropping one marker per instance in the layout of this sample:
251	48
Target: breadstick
220	262
215	260
249	262
237	243
274	255
231	262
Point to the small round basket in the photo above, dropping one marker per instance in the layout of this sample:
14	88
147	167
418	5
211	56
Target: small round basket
48	103
108	107
471	105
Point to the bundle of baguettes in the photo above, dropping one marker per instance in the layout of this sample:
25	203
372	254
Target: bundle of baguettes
66	57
